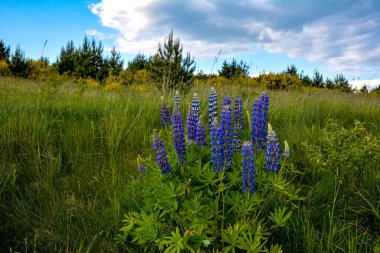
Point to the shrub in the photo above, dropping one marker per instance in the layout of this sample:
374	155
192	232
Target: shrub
4	68
278	81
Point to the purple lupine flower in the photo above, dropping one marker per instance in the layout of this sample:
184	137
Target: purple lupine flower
201	134
165	116
212	106
140	166
259	121
273	151
162	160
238	113
225	137
235	146
226	101
179	135
215	147
256	124
177	99
195	107
265	109
191	124
249	173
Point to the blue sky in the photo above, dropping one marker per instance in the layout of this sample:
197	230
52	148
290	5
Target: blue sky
328	35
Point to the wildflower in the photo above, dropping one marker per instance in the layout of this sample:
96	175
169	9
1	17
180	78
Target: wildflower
195	107
286	153
191	124
177	99
212	106
273	151
235	146
179	135
225	137
161	154
238	113
215	148
226	101
201	134
249	174
140	166
165	116
259	121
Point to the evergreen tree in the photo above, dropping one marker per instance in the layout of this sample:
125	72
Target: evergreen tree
234	69
169	69
4	52
66	60
18	65
140	62
342	84
115	63
317	80
291	70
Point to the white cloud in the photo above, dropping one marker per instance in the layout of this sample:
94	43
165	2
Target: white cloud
371	84
341	34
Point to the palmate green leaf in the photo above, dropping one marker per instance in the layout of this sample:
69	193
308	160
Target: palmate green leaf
231	235
175	243
279	216
253	242
129	221
167	199
146	229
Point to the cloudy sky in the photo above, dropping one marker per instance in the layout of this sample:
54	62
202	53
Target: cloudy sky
329	35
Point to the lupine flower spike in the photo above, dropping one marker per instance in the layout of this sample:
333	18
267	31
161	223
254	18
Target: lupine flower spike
161	154
140	166
273	151
215	148
177	99
226	101
225	137
191	124
212	106
165	116
249	173
238	113
201	134
259	121
179	135
195	107
286	153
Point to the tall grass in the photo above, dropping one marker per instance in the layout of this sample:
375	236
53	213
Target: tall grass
67	156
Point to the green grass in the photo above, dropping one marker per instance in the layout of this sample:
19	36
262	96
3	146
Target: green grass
68	157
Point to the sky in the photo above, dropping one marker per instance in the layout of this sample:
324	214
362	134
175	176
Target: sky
328	35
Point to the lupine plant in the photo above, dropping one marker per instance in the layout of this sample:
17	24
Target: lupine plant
238	113
201	134
273	151
179	135
165	116
259	121
241	208
212	106
191	124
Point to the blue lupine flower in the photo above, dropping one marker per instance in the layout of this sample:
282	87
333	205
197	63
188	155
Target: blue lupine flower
179	135
256	123
226	101
140	166
215	147
177	99
259	121
249	174
235	146
273	151
201	134
212	106
161	154
238	113
195	107
225	137
165	116
191	124
286	153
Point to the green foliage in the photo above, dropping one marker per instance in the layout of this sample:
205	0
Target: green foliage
115	63
234	69
139	62
18	65
170	69
66	60
5	52
342	84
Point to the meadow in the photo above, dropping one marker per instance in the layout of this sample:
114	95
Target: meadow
68	170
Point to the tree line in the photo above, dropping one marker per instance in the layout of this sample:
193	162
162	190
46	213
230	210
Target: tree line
169	68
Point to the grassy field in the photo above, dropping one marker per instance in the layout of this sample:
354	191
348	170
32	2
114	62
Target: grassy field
68	169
